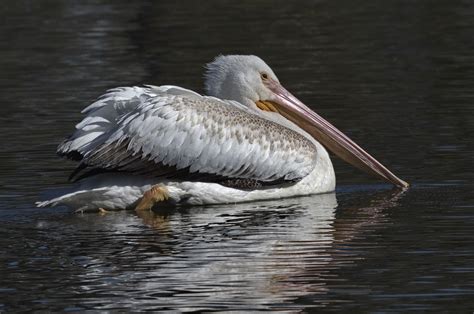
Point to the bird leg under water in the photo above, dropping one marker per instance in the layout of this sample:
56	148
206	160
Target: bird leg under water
157	193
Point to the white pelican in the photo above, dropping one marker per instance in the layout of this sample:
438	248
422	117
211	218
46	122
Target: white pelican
250	139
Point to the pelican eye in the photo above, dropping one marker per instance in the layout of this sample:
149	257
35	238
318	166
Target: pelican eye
264	76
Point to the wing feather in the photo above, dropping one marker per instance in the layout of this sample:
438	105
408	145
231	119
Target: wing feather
170	131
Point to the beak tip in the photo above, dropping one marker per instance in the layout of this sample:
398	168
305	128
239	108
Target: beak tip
402	184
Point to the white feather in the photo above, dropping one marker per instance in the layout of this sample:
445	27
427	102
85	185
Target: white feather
173	126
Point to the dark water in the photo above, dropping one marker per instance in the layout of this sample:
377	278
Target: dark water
397	76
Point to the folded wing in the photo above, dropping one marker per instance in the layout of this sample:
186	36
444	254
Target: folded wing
175	133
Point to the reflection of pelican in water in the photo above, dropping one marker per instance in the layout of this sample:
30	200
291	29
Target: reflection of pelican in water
253	141
257	254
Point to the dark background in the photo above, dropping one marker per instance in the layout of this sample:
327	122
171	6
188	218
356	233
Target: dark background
396	76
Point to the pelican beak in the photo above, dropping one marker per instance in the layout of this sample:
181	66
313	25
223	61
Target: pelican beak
325	133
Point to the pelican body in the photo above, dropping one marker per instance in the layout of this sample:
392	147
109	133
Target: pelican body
248	140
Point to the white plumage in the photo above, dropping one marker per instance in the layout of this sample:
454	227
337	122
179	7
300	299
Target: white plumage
154	128
236	145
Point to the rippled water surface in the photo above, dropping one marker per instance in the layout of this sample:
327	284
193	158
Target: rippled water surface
397	76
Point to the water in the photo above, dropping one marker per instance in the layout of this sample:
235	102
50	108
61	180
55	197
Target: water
397	77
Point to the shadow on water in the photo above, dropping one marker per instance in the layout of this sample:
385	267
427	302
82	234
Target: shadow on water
244	256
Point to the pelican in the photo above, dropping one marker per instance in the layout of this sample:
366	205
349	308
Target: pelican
249	139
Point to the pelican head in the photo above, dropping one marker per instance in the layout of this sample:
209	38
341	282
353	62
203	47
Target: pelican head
250	81
239	78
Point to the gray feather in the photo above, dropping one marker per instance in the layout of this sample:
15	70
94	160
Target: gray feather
160	130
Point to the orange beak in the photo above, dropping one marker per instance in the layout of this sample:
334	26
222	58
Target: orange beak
324	132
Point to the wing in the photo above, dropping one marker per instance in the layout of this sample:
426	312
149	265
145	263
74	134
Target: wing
103	115
175	133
